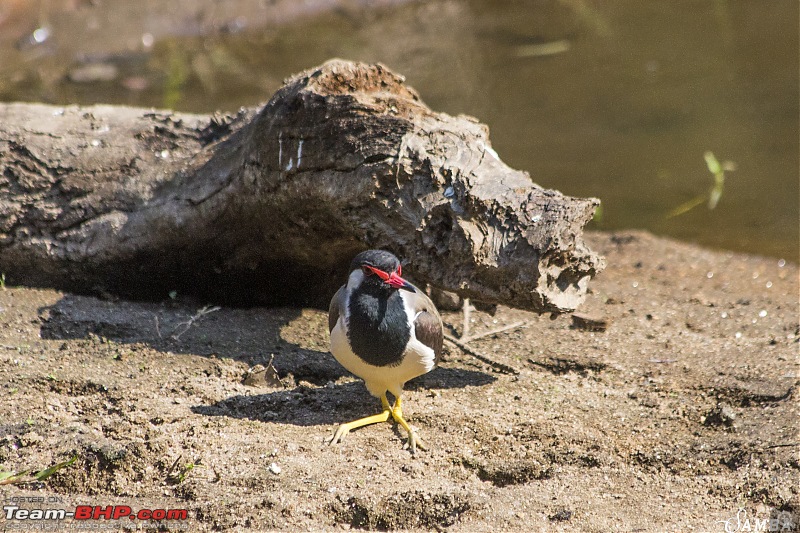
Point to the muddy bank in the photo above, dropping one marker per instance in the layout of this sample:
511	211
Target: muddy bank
682	412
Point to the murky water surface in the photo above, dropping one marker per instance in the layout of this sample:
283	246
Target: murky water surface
618	100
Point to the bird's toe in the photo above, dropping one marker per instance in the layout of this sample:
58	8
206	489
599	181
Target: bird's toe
414	442
339	435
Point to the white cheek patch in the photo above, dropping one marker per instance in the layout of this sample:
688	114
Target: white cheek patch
424	355
354	280
408	303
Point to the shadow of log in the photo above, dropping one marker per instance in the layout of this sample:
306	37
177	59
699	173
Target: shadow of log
251	336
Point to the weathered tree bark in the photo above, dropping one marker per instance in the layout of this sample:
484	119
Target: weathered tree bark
269	206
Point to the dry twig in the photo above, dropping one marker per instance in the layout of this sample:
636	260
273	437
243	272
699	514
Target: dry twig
188	323
515	325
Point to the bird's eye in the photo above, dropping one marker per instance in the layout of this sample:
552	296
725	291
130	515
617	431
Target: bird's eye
365	269
399	270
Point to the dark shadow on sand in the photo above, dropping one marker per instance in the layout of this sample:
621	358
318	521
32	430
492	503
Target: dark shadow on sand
332	404
252	336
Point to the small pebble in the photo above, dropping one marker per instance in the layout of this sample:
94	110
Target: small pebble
40	35
274	468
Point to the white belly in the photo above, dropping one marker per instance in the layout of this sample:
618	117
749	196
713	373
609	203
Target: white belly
418	359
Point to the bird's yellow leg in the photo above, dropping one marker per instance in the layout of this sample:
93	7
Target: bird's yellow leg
344	429
413	439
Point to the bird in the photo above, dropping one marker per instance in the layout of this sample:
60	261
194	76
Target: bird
386	331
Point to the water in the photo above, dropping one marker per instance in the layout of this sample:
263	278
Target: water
617	100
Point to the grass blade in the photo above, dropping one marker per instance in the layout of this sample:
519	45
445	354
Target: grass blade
47	472
687	206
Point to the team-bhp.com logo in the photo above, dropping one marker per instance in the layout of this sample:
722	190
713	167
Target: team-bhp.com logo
94	512
782	521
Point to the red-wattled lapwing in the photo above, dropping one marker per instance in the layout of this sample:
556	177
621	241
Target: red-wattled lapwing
385	331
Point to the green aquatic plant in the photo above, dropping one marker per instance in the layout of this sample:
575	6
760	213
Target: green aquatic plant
598	214
177	74
714	194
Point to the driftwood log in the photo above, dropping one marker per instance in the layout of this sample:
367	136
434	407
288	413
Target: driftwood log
269	206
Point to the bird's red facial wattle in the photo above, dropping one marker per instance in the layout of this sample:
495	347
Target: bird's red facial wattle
392	279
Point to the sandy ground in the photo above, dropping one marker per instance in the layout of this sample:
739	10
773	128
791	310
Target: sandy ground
681	416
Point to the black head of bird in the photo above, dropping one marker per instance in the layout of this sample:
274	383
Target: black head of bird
385	331
381	270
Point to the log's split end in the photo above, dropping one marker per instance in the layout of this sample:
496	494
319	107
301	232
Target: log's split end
342	158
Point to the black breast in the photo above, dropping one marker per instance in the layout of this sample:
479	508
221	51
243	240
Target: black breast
377	326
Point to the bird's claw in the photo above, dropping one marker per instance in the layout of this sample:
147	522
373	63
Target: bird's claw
414	442
339	435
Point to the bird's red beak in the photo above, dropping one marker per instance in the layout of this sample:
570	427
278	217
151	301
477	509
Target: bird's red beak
393	279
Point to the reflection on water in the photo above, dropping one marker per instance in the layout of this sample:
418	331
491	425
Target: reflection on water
618	100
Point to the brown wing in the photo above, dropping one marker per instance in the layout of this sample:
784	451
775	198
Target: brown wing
428	324
336	308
